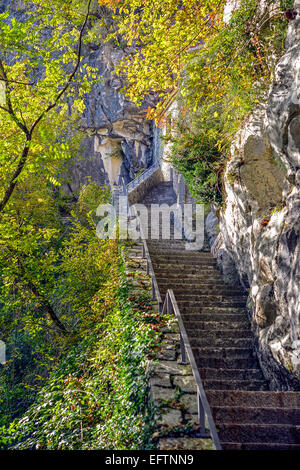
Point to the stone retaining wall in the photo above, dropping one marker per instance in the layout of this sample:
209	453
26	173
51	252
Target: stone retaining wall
140	192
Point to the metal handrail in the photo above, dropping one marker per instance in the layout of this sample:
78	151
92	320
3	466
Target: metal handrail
142	177
203	405
150	271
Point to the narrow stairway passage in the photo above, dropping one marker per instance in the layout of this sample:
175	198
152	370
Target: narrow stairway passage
247	414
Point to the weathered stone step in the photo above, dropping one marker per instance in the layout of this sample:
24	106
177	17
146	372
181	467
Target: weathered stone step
215	297
194	281
160	245
259	446
212	310
207	300
215	317
183	267
217	291
256	400
202	288
216	362
225	353
231	374
235	384
277	433
190	272
183	261
176	247
219	329
183	254
198	276
210	340
210	302
240	414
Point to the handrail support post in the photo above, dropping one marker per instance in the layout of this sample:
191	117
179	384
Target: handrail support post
183	361
169	305
201	417
153	291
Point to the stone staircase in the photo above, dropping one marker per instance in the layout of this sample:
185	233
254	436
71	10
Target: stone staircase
247	414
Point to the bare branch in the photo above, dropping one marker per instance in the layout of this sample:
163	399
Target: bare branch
16	81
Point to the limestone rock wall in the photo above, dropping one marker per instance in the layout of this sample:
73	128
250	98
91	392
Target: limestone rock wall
118	137
260	223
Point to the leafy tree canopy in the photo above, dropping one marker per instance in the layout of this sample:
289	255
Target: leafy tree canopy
160	36
43	85
187	45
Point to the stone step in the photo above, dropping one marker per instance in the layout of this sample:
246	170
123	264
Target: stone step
255	400
186	264
176	247
183	261
224	353
215	317
184	268
166	245
210	302
193	281
211	309
231	374
159	199
182	255
201	276
198	276
215	297
259	446
159	245
219	329
240	414
217	291
261	433
203	289
216	362
209	340
208	284
235	384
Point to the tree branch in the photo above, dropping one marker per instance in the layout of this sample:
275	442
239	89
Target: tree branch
34	289
10	108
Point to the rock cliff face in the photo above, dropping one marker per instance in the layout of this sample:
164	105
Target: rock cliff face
119	138
260	223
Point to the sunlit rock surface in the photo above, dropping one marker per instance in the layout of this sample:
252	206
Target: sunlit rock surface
260	223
